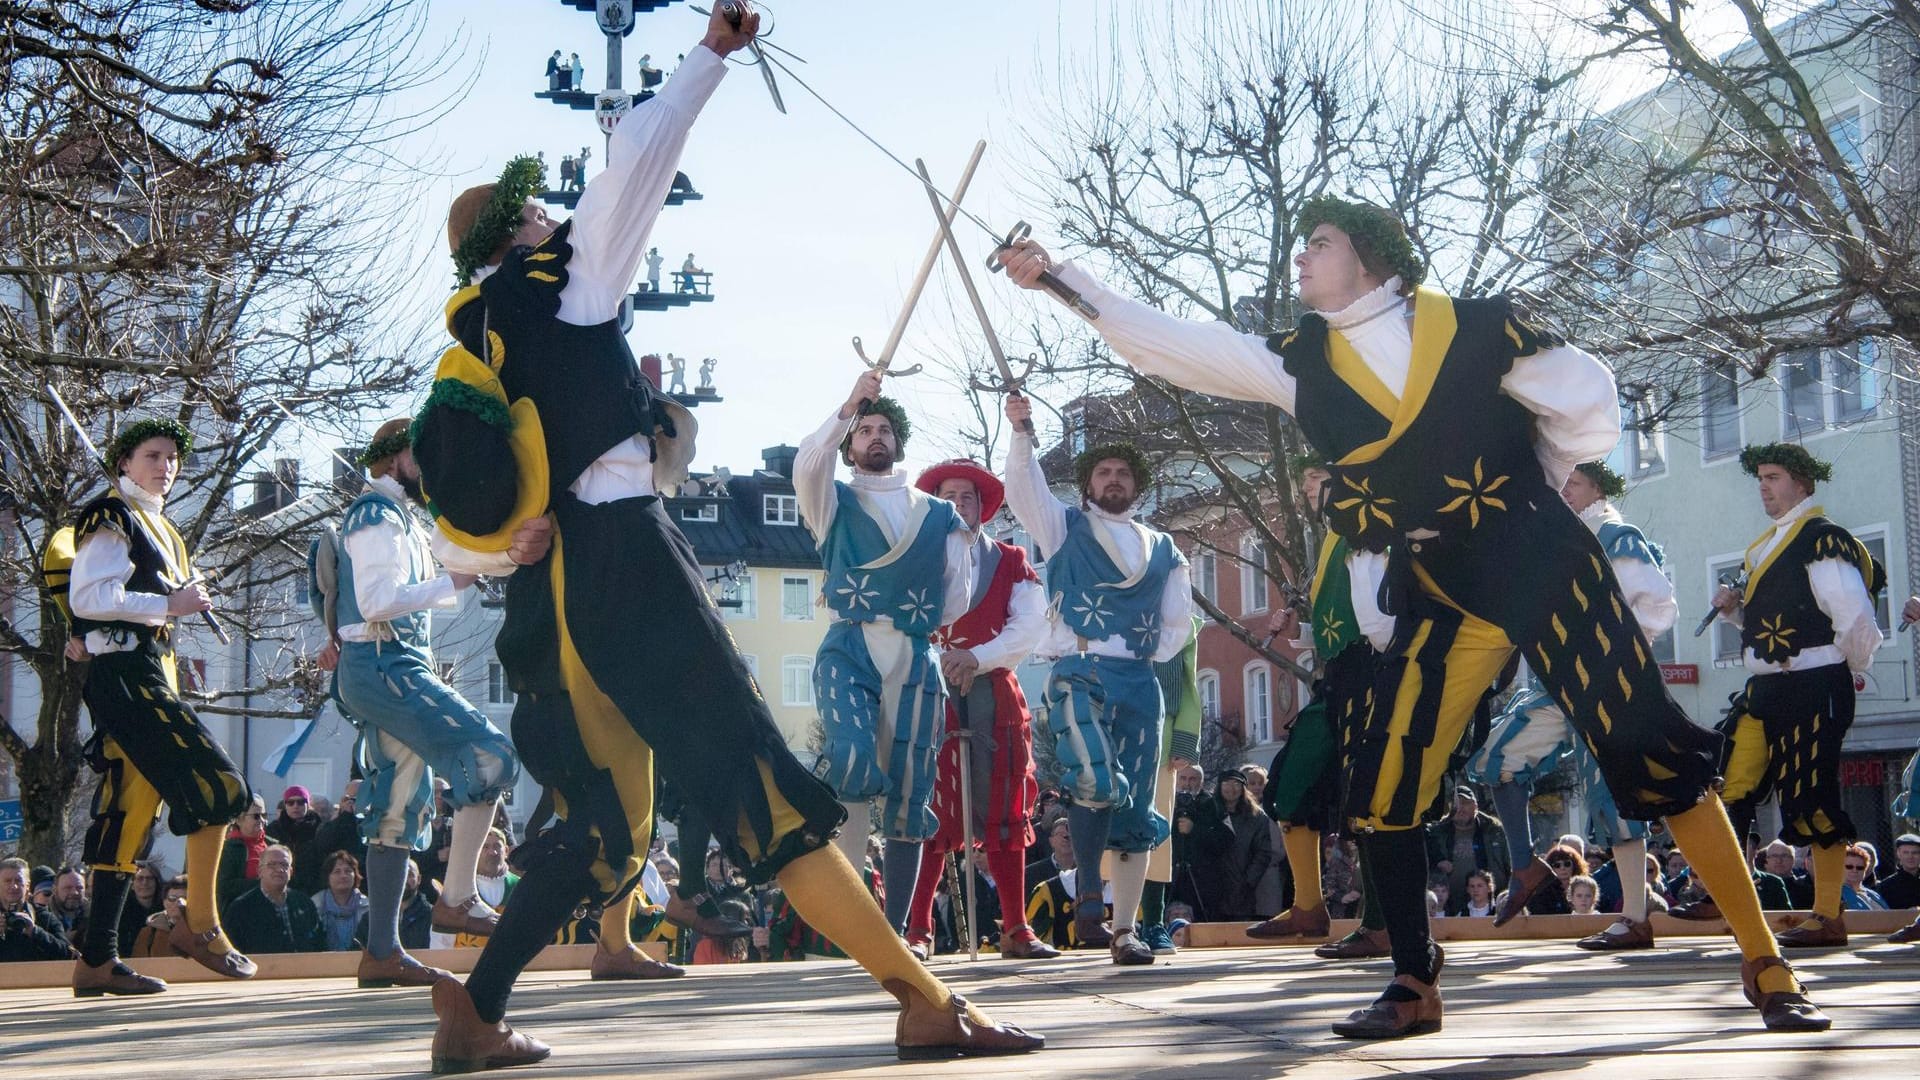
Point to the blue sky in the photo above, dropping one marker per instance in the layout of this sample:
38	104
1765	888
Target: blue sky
811	234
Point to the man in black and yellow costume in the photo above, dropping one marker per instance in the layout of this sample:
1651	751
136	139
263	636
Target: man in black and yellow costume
1450	425
1806	625
131	579
619	657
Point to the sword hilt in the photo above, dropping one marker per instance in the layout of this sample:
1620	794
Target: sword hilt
1068	294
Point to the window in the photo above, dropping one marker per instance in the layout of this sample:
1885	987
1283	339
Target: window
700	512
1076	418
1253	574
1209	686
1726	636
796	680
1206	574
737	597
780	509
1876	543
1849	137
498	692
1716	235
1854	373
1719	414
753	665
1259	687
1801	393
1663	647
796	599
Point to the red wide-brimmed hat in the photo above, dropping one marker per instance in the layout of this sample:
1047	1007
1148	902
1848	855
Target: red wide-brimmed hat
992	492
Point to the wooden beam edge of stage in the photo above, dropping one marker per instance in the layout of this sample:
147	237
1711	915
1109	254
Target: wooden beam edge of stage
328	965
1545	928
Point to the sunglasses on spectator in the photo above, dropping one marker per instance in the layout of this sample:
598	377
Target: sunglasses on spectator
295	802
1857	866
1560	864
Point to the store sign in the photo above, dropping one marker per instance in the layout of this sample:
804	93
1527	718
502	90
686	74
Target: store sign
1680	674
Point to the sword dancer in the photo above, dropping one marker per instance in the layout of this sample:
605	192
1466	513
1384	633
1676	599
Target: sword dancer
1533	735
617	653
1348	629
131	579
413	726
898	565
1006	618
1484	558
1120	602
1806	625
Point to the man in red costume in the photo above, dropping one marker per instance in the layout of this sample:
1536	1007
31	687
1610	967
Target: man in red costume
1006	619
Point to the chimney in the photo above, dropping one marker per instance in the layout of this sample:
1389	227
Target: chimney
779	459
650	367
286	481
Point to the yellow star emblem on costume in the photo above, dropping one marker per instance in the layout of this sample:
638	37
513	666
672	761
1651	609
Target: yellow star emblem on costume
1365	501
1479	493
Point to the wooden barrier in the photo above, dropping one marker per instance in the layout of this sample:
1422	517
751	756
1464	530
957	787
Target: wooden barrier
328	965
1546	928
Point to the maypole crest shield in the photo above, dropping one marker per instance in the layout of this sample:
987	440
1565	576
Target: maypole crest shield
614	16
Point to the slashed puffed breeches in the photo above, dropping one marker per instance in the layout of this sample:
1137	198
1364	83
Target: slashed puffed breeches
1539	583
414	727
1784	735
882	705
150	748
1105	715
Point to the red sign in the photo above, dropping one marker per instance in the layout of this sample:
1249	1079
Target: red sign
1680	674
1855	772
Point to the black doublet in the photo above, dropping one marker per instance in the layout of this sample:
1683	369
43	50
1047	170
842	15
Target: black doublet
637	608
1782	617
1508	551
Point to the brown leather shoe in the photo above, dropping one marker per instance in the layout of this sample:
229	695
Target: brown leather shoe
687	915
1090	930
1021	943
1362	944
1128	950
397	969
1294	922
928	1033
1906	934
919	946
464	1043
1816	931
199	947
1388	1019
1637	935
1698	911
1520	888
1780	1011
449	919
112	977
630	963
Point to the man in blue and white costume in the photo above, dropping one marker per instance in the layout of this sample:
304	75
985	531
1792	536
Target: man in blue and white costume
413	726
1533	734
899	565
1121	602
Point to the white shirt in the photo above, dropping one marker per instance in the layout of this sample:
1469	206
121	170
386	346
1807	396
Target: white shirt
884	498
1571	393
382	562
1648	591
1840	592
102	566
1365	572
1026	620
1045	519
611	223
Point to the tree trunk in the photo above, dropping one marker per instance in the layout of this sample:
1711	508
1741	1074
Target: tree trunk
52	773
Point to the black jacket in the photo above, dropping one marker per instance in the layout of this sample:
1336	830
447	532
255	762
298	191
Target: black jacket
254	925
23	938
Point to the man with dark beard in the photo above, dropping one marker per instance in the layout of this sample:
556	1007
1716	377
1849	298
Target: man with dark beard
1120	604
899	565
413	726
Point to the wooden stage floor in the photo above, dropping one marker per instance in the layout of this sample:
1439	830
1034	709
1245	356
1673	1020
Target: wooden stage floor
1514	1008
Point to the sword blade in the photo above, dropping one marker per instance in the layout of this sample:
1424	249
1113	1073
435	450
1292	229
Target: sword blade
973	294
927	260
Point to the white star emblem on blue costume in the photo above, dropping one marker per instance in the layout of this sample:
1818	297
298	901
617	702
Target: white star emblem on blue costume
1093	609
917	608
857	592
